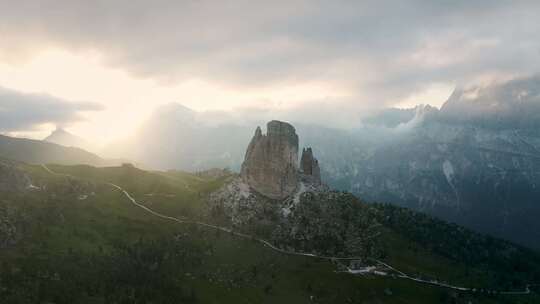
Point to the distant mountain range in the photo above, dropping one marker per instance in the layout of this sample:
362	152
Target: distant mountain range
476	161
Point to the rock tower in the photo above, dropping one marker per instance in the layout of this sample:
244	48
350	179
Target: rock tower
310	167
271	163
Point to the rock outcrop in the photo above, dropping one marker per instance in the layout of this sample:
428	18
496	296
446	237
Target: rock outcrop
271	163
310	167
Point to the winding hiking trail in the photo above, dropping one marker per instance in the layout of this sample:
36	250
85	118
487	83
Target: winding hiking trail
266	243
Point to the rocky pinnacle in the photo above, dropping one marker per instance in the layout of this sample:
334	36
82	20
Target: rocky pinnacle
310	166
271	163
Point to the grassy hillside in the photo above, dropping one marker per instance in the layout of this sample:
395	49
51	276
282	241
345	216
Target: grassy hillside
41	152
79	240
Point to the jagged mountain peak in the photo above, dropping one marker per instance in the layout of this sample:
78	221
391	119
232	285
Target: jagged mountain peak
514	104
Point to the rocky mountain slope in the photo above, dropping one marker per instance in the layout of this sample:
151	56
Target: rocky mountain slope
485	181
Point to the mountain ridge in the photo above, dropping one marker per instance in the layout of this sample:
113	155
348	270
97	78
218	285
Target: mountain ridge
39	152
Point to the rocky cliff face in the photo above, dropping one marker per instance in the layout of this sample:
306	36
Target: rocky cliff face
271	163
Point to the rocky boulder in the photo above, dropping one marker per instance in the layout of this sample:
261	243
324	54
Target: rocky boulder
270	165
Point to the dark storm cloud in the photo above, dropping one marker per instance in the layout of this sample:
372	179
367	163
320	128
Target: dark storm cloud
22	112
383	49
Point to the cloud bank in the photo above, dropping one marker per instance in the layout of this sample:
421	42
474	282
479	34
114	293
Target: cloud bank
379	50
24	112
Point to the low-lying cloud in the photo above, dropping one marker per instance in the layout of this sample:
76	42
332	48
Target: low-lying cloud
24	112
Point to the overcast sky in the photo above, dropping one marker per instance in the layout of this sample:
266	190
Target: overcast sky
100	67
